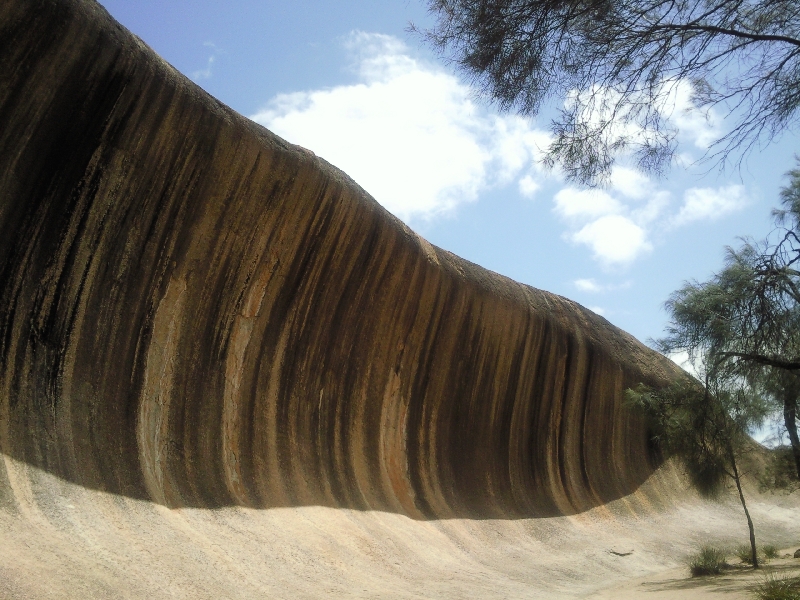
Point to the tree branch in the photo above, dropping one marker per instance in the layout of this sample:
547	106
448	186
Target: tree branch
756	37
761	359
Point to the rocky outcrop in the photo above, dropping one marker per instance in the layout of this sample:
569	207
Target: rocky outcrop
197	313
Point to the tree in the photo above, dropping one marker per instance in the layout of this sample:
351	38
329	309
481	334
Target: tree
745	321
618	65
784	388
707	428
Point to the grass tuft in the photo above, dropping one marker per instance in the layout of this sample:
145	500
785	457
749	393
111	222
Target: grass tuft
776	587
708	561
744	554
770	551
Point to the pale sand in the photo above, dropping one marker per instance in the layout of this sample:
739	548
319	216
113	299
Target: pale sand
737	583
59	540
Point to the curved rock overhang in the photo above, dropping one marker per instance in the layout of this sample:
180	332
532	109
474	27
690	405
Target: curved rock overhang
195	312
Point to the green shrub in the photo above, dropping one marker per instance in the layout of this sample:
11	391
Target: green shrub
744	554
770	551
708	561
778	588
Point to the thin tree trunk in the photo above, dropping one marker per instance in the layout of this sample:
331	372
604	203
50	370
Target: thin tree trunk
789	419
737	479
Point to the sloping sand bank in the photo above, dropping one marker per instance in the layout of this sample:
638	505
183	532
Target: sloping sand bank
70	542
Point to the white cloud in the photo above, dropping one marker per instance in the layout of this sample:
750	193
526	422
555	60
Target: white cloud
205	73
611	229
710	204
379	57
613	239
593	287
598	105
697	126
410	134
572	203
616	223
528	186
630	182
681	359
588	285
700	126
597	310
517	146
652	209
208	71
407	132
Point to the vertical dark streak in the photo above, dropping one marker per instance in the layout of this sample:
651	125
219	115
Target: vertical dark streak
320	354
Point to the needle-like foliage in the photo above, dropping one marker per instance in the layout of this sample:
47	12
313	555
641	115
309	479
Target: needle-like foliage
615	67
706	427
745	321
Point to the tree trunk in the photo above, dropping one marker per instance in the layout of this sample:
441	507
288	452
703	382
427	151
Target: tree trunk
789	419
753	548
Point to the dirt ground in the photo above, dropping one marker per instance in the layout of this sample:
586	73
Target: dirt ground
737	583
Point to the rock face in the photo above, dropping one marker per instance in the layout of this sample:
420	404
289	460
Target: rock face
197	313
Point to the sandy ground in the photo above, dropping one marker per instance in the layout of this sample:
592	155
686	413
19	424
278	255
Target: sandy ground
737	583
58	540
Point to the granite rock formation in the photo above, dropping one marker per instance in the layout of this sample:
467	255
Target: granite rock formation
196	313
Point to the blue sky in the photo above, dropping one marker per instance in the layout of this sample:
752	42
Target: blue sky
347	81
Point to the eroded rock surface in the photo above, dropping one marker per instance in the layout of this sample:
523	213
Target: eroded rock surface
227	372
196	313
